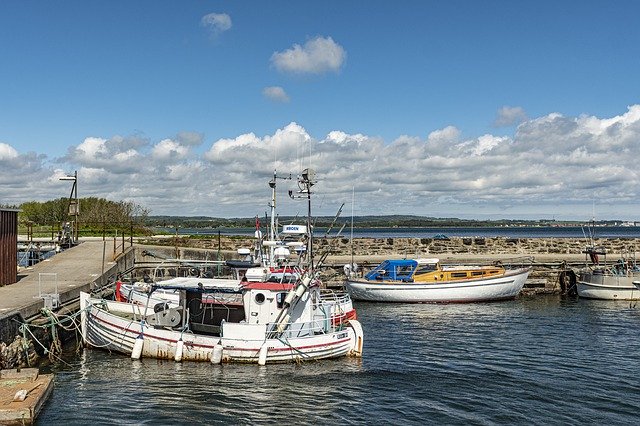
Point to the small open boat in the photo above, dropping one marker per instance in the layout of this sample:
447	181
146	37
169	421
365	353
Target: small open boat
427	281
608	280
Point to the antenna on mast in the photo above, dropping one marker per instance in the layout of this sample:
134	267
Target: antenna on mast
305	181
272	205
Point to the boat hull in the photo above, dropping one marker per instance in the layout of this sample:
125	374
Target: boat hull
111	326
502	287
607	287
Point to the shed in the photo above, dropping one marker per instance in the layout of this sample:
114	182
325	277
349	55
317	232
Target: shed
8	246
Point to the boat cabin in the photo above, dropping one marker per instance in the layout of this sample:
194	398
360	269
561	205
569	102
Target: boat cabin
393	270
211	310
428	271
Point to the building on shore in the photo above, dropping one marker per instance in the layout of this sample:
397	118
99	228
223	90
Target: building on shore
8	246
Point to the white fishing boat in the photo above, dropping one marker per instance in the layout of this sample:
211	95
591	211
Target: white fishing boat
427	281
266	322
272	324
270	260
608	281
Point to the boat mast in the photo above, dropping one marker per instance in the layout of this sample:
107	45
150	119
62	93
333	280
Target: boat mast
305	181
272	232
353	193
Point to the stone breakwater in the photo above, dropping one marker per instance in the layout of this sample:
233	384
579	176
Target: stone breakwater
547	256
548	248
412	247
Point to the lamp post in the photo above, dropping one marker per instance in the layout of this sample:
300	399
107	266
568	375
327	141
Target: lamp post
73	207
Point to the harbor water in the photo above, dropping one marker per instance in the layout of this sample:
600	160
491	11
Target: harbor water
534	360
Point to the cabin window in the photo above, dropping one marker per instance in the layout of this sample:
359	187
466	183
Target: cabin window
458	274
477	273
280	299
402	271
426	268
260	298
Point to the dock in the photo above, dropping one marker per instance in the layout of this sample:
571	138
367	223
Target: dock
59	280
55	284
22	394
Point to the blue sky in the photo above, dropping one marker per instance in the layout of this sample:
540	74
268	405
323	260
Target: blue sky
487	99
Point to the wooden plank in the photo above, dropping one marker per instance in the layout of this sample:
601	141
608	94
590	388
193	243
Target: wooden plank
37	389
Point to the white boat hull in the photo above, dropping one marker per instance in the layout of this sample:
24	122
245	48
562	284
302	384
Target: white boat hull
104	324
607	287
502	287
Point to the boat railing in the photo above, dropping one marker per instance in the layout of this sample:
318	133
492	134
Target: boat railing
320	325
332	296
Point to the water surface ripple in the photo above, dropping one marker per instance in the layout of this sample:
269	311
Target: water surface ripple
538	360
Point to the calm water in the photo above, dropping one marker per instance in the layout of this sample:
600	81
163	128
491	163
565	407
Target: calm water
487	232
540	360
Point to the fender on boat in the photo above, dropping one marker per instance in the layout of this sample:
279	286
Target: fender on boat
137	347
179	350
118	293
216	356
358	339
262	355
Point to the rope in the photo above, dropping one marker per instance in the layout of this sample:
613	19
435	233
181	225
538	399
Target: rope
25	327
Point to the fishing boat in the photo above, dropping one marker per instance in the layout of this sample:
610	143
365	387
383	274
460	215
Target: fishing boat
608	281
249	321
427	281
273	323
270	260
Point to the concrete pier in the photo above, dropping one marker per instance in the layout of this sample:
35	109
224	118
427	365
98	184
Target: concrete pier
57	282
81	268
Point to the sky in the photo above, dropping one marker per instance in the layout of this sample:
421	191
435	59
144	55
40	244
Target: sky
469	109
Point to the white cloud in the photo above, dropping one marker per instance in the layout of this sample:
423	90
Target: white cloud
275	93
169	150
552	165
317	56
508	116
7	152
216	23
118	154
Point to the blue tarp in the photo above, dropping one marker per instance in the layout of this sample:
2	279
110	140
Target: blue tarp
394	270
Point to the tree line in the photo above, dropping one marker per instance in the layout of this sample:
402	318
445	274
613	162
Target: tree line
93	211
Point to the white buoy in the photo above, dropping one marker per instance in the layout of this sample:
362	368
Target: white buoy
179	349
262	356
216	357
136	353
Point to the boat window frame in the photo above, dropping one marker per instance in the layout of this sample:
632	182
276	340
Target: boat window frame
260	302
